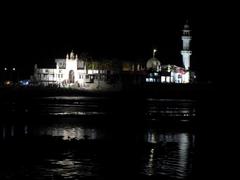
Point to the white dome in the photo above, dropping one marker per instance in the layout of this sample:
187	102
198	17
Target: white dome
186	26
153	63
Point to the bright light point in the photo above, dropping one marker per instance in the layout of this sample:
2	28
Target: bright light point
154	50
8	82
13	69
5	69
24	82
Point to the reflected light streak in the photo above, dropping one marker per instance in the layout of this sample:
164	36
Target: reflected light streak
183	150
150	164
66	162
170	156
76	113
71	133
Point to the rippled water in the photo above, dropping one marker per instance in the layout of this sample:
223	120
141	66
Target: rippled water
182	108
168	153
74	137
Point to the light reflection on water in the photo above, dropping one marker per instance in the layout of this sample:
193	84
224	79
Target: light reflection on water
70	133
76	108
71	167
157	108
168	154
163	153
67	132
72	98
57	105
76	113
64	165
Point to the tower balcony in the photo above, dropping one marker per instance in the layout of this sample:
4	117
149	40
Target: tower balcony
186	52
187	37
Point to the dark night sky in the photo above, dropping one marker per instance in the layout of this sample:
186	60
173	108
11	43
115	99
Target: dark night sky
38	33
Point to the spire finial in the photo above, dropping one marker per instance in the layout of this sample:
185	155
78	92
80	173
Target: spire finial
154	51
72	55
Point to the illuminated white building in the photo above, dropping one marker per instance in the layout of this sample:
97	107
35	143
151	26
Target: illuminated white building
76	72
158	73
73	72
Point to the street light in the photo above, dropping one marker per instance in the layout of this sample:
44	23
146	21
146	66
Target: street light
14	69
5	69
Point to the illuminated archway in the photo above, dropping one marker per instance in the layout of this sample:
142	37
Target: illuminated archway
71	76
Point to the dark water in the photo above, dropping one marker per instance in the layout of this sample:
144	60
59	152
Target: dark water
68	137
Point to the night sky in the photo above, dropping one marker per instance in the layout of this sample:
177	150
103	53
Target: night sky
38	33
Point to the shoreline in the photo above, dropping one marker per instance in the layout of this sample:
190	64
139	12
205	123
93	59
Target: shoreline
161	91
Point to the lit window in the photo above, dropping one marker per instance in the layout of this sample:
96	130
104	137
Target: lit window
168	79
163	79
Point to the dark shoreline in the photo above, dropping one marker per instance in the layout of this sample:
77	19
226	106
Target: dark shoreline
188	91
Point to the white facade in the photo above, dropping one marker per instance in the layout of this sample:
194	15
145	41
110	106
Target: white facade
186	52
73	72
172	73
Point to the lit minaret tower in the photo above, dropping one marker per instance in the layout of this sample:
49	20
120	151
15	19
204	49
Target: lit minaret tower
186	53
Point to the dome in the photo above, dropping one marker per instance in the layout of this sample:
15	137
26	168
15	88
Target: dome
153	63
186	26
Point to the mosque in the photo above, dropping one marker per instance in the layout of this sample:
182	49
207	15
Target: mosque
74	71
77	73
158	73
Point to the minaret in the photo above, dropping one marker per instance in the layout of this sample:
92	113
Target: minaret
186	53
